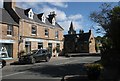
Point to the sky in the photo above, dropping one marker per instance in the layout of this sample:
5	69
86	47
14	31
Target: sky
67	12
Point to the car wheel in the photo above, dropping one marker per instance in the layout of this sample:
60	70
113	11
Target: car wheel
32	60
47	59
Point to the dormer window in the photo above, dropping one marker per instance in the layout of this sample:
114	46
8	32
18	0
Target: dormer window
30	14
43	18
53	21
51	17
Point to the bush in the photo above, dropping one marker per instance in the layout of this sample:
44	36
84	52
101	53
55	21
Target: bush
93	70
110	57
22	52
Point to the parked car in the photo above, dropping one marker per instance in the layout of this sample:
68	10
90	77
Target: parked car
35	55
2	63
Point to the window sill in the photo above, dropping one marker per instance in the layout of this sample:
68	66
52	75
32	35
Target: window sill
7	58
46	36
33	34
9	35
56	37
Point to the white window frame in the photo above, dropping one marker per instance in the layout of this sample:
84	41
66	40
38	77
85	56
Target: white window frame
30	14
9	30
46	32
34	30
43	18
56	34
53	21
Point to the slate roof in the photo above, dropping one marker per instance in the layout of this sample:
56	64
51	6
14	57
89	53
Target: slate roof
57	25
71	26
40	16
82	37
26	11
6	18
21	13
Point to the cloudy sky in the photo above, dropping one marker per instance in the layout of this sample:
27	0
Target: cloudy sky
77	12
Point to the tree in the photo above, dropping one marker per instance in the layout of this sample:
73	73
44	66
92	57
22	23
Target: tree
114	27
105	43
109	19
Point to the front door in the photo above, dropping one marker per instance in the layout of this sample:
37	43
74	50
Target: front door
50	48
28	47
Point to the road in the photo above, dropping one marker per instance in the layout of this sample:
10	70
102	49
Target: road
55	69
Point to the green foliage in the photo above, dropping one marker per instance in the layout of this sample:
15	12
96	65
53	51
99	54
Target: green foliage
21	53
109	20
105	42
114	26
101	17
93	71
93	66
57	49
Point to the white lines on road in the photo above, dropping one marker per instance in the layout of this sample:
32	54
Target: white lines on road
14	74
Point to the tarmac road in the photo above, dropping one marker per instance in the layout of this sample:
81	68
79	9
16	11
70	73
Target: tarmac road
53	70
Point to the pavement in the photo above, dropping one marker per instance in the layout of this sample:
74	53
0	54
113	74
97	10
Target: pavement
58	57
8	62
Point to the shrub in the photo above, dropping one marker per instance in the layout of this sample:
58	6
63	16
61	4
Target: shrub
22	52
93	70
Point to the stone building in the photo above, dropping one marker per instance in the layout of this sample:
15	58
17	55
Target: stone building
24	30
8	35
79	43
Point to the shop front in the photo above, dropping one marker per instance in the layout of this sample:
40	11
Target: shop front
6	49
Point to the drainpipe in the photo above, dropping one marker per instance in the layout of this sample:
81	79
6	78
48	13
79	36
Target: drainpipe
18	39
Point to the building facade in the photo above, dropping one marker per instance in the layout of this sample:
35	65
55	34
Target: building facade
79	43
28	30
8	35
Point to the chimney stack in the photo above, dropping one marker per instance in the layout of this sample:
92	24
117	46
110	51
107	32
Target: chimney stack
52	15
8	4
